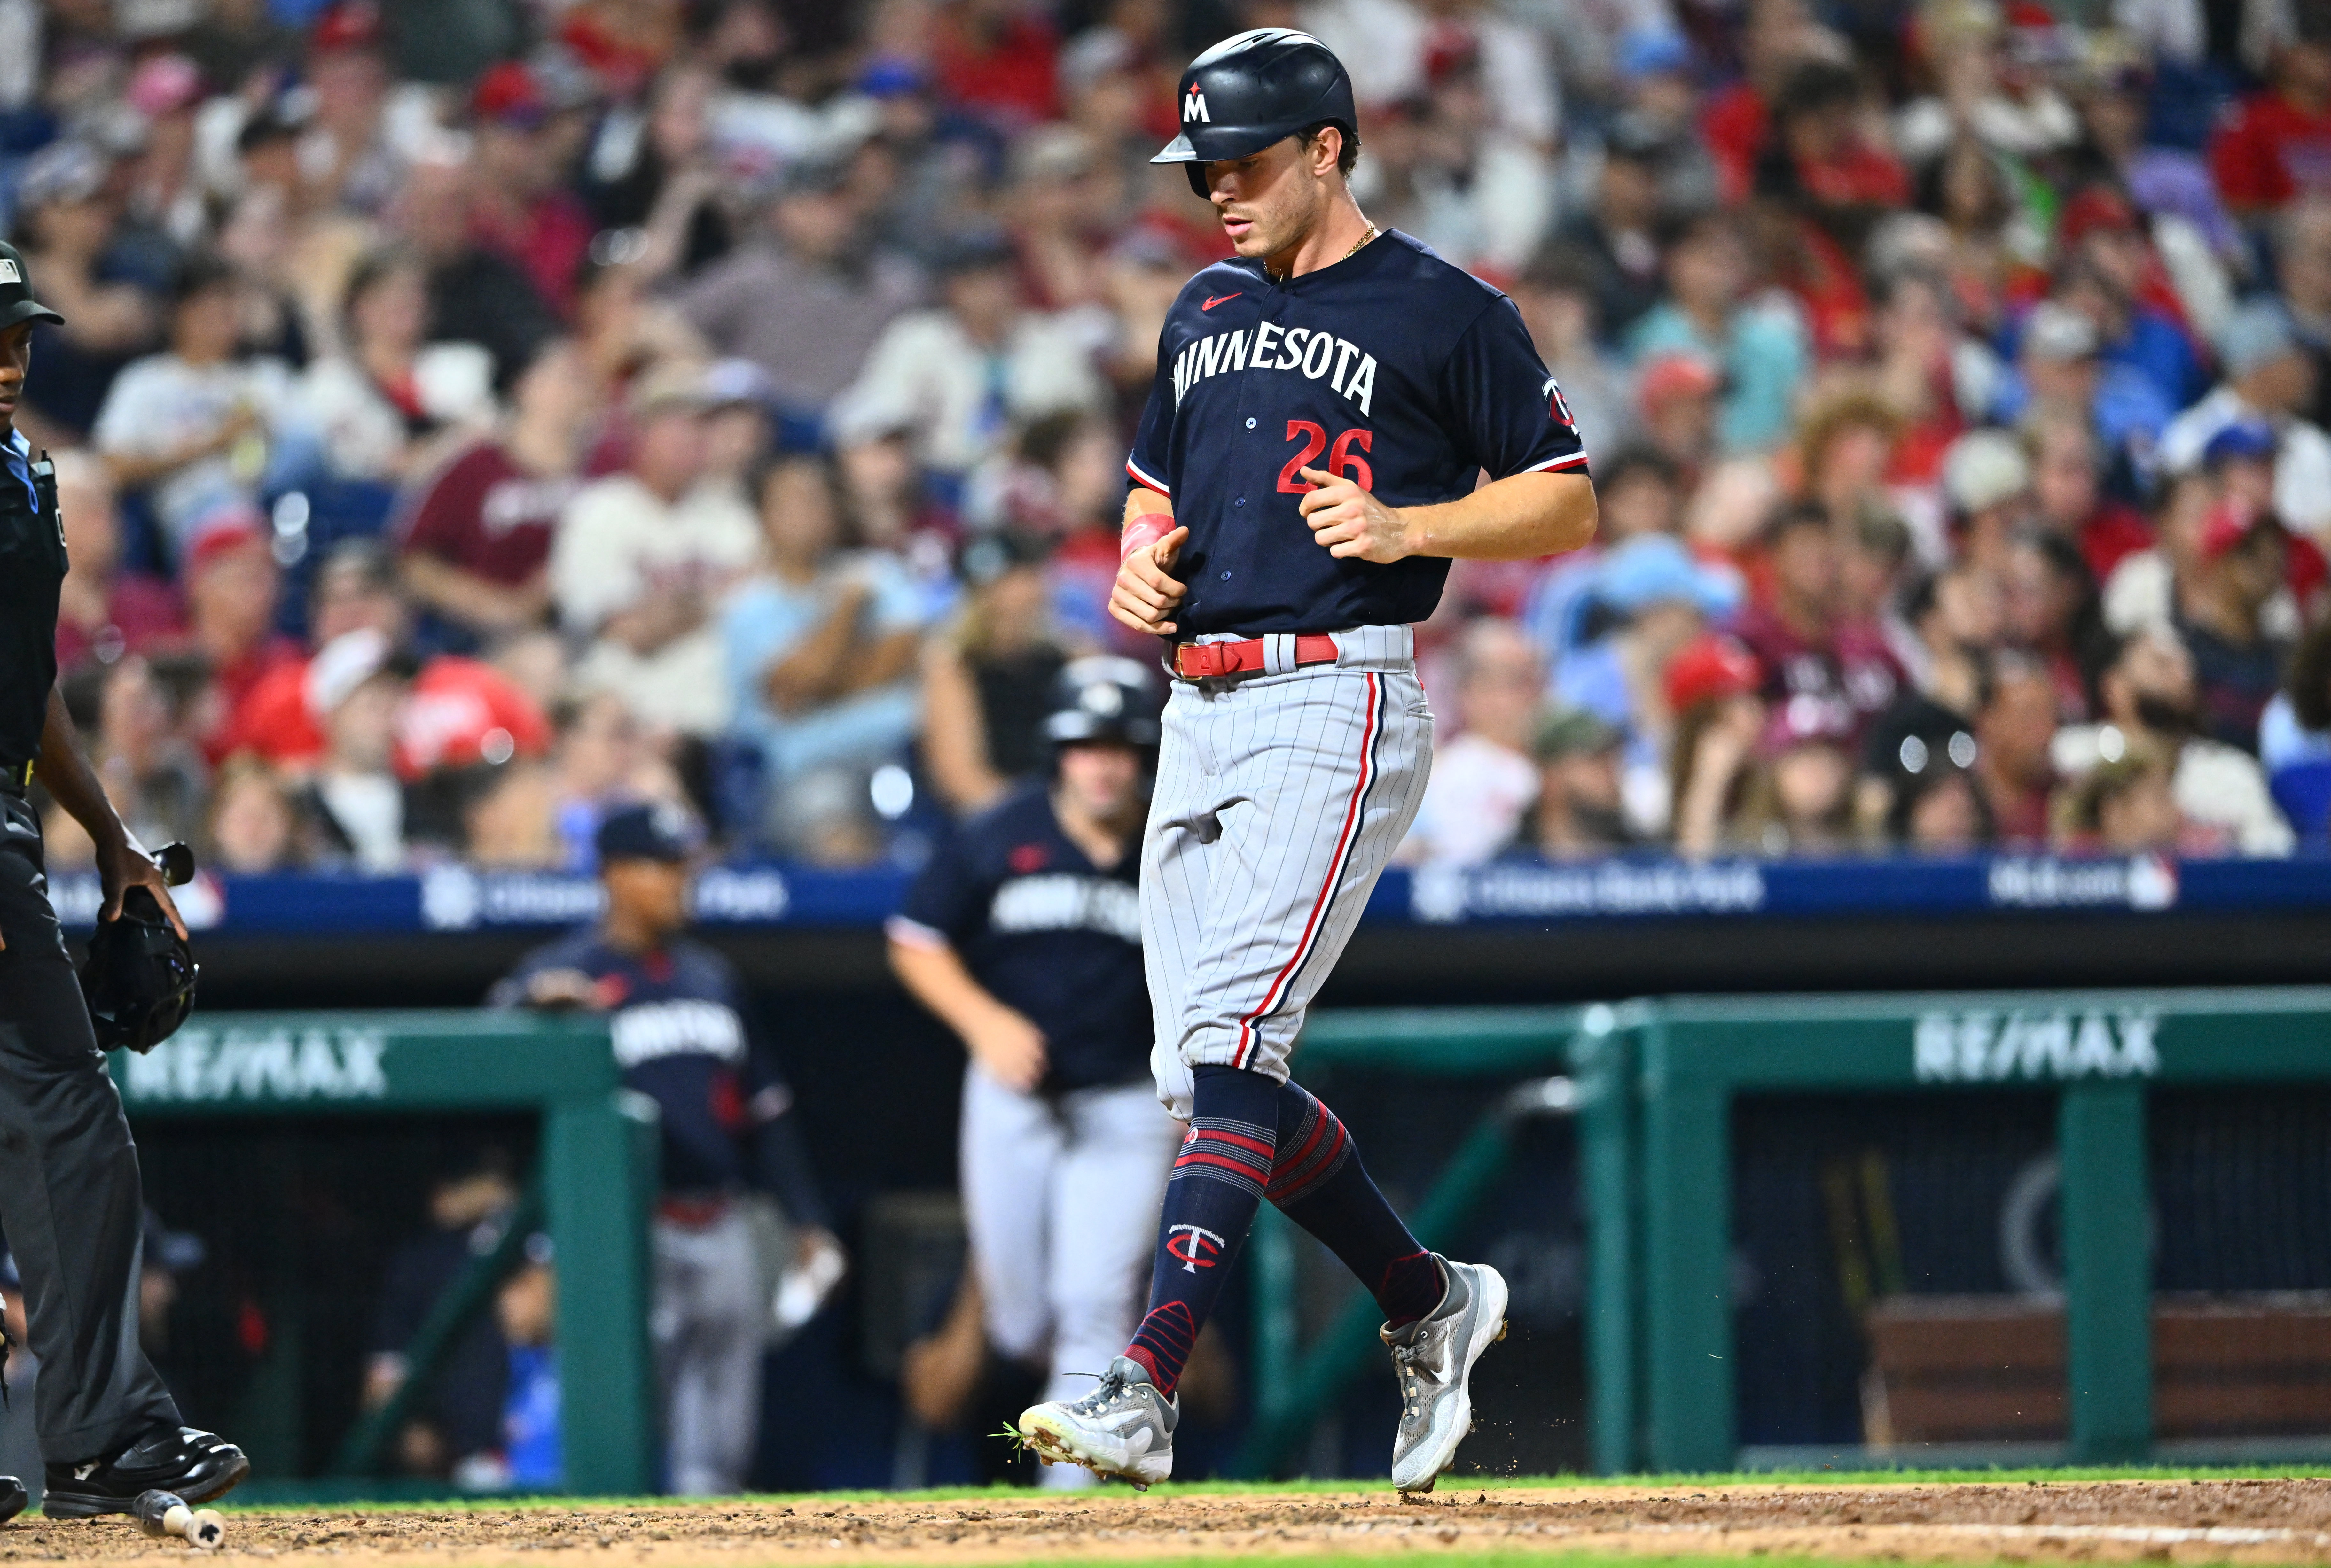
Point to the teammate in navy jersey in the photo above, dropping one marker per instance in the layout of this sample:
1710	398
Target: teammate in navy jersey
1024	934
1327	404
680	1028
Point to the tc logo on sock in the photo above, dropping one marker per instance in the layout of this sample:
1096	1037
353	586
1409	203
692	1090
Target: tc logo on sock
1194	1246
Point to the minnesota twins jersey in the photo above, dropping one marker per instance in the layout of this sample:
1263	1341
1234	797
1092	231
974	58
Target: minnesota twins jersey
678	1019
1391	367
1047	932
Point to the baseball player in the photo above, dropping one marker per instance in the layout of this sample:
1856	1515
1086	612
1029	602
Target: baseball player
678	1019
69	1185
1325	404
1024	934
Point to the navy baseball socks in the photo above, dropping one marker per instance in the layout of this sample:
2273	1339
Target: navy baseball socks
1250	1138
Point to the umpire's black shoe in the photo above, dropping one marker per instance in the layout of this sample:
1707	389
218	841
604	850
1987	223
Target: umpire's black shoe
12	1497
197	1465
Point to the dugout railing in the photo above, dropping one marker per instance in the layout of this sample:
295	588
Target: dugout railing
1653	1086
596	1178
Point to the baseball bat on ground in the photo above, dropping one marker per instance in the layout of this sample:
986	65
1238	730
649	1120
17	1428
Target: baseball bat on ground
167	1514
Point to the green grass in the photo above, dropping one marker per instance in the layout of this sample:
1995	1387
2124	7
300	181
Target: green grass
407	1496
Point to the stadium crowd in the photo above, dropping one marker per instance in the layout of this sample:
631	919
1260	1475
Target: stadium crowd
473	414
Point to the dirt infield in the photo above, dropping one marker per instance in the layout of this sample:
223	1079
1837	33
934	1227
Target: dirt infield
2201	1521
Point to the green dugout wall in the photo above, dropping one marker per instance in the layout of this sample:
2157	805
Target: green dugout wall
597	1170
1652	1086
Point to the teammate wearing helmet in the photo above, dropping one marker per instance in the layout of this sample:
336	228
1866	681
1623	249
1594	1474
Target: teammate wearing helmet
1326	405
1024	934
69	1185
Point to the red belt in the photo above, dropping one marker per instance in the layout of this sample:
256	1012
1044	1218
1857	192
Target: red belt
1212	661
692	1213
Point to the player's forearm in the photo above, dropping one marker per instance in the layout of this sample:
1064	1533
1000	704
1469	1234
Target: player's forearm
69	779
936	977
1517	518
1142	501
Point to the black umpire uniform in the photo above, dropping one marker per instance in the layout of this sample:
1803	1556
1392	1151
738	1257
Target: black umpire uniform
70	1196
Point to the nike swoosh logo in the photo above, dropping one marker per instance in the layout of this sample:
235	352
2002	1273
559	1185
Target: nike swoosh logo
1219	298
83	1472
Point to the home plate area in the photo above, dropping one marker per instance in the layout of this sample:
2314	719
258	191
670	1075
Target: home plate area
2195	1521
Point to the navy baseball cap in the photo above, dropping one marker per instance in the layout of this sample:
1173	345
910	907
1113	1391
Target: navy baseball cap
662	831
16	302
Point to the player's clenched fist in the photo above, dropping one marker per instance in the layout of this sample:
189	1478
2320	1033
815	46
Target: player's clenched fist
1351	523
1147	595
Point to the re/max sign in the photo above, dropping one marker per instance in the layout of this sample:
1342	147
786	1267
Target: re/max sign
1995	1047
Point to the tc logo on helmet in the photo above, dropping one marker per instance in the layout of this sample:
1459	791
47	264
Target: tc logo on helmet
1195	1247
1194	107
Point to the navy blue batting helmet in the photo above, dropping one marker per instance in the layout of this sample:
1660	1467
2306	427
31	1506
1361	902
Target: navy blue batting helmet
1250	91
1102	698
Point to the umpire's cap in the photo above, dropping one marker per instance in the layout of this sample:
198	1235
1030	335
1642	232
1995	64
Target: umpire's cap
138	979
1249	92
16	302
1103	697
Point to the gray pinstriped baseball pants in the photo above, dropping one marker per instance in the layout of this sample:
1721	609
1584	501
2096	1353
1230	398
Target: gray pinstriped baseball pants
1280	798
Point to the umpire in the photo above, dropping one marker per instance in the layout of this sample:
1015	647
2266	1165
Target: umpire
68	1187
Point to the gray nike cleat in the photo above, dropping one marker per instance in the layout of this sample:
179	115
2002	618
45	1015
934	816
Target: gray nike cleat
1124	1428
1432	1358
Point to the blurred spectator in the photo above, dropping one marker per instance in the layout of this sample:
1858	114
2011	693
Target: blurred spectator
358	805
476	295
232	586
1807	648
510	817
2125	806
2052	613
1483	779
475	535
459	710
154	778
1676	398
2014	730
1760	344
1987	483
1655	600
2221	613
523	211
1615	241
2294	738
2060	364
67	219
2148	695
989	675
1800	796
102	610
252	827
2067	491
821	644
1578	811
1712	690
1555	295
188	427
373	408
954	378
642	556
2269	381
2271	149
803	297
1939	810
1954	617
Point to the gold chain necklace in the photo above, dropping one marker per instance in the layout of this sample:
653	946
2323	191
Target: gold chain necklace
1346	256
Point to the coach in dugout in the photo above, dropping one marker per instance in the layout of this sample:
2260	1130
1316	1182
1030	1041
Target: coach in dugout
679	1022
69	1184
